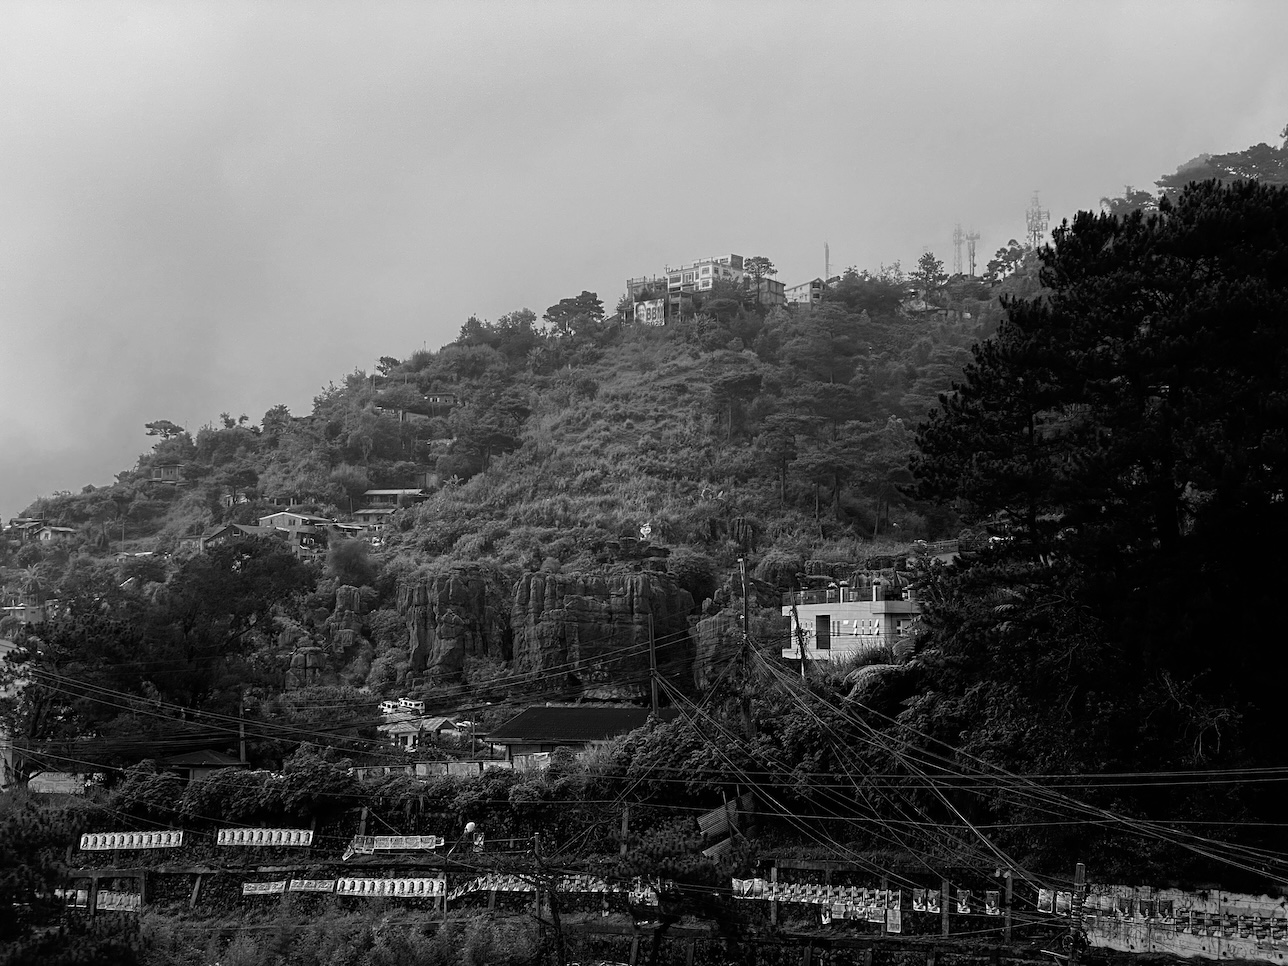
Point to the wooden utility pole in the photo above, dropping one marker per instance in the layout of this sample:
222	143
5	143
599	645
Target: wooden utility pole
748	726
241	724
944	899
1010	886
1075	912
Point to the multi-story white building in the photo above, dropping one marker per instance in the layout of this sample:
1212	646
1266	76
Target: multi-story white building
699	276
840	620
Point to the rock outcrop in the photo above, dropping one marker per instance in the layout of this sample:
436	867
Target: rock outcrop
308	668
457	613
594	630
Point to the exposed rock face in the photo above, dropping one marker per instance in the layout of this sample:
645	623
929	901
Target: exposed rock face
348	600
460	612
717	636
596	629
308	668
719	632
343	626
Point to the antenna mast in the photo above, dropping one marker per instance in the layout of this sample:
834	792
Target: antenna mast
1038	220
971	238
958	236
827	262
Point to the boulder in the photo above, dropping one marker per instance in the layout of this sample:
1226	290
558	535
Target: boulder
593	630
457	613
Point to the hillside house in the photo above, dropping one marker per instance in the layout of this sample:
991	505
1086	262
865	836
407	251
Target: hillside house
23	528
408	730
700	276
171	473
544	729
769	291
806	293
52	534
842	619
378	504
225	533
199	764
294	520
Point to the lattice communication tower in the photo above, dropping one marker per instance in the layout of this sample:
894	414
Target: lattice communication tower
971	238
958	237
1038	219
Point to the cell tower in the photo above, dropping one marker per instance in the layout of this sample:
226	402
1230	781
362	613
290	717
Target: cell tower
958	236
1038	220
971	238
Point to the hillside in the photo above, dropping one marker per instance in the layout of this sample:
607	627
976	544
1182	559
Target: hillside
776	435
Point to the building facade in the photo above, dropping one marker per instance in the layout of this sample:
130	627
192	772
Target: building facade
841	620
700	276
806	293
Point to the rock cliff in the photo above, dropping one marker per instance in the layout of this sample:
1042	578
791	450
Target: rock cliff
594	628
459	612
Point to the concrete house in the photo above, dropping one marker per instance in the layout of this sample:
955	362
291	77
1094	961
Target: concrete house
841	619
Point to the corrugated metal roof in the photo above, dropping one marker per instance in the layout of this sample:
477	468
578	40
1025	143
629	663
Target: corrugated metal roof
555	725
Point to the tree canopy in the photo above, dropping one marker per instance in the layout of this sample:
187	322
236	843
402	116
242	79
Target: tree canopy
1124	441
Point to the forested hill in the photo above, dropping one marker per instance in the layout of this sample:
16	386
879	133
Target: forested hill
544	440
1100	680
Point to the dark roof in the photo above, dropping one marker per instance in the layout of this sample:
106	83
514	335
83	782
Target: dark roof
201	759
554	725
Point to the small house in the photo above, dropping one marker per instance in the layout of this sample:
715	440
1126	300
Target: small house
581	727
199	764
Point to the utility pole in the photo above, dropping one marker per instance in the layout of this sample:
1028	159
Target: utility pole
241	724
652	662
1075	912
748	728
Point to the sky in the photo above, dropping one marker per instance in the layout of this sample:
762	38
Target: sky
223	206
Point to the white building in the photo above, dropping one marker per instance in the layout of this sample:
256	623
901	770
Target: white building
840	620
806	293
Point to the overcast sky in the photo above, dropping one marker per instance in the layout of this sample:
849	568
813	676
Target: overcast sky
224	206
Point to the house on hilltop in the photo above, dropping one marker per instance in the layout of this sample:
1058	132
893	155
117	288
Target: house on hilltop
806	293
